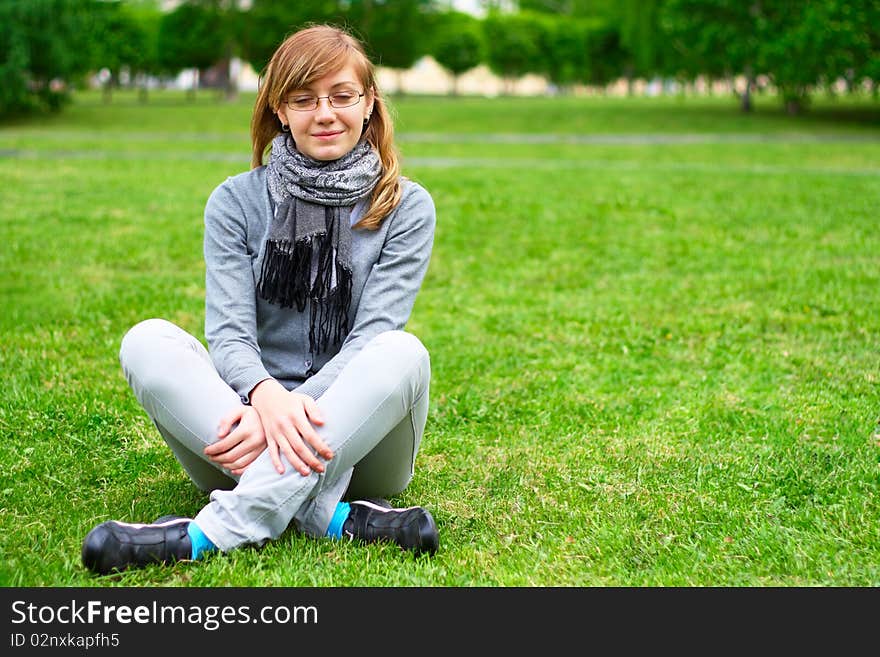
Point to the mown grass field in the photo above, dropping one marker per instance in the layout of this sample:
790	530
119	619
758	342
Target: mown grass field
653	324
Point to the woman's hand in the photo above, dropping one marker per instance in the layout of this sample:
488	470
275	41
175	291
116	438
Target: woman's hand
237	449
288	419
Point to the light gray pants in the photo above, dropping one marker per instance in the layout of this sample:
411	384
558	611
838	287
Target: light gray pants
375	413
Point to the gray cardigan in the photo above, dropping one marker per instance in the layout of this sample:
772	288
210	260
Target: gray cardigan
250	339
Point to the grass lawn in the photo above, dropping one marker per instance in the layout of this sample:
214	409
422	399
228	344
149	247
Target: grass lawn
653	325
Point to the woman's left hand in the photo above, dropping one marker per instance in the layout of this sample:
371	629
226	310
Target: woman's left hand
240	447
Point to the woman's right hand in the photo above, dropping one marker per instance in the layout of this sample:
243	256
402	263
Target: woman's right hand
288	419
240	440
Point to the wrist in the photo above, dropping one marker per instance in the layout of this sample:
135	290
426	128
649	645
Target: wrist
260	390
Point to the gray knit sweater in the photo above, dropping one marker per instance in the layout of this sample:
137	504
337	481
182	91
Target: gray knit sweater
251	340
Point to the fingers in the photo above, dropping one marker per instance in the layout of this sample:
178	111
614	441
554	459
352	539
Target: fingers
241	426
312	410
307	431
288	421
298	453
228	421
228	453
311	436
235	454
238	464
241	465
221	446
272	446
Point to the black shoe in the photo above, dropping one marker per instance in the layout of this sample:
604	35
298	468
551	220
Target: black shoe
381	501
114	545
162	519
412	528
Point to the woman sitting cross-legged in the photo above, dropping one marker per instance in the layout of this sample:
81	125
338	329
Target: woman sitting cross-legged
311	401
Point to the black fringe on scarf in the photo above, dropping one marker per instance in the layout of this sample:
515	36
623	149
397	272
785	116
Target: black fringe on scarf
285	276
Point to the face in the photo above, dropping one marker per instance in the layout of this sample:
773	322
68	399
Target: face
327	132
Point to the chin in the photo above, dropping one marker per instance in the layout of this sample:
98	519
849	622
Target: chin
324	152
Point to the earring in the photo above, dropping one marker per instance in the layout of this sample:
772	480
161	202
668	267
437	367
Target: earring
366	120
285	127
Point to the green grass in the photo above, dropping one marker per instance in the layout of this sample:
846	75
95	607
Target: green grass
655	341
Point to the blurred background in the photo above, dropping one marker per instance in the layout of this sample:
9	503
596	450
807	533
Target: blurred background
792	50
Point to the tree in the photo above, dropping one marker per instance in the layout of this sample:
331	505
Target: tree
563	44
645	47
600	9
262	29
717	37
567	40
191	36
267	23
816	42
148	16
604	53
459	44
15	95
120	42
396	32
512	45
45	50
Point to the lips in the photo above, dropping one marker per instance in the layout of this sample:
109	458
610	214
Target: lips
326	135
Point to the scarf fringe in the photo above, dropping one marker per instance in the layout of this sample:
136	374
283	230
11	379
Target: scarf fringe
284	280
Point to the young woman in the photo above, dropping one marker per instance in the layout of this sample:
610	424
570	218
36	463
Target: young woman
311	403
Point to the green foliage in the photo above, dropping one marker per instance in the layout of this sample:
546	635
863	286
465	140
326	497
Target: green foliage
646	48
261	30
15	96
459	44
512	44
193	35
818	42
265	25
605	54
797	45
601	9
716	37
396	32
122	39
564	44
44	50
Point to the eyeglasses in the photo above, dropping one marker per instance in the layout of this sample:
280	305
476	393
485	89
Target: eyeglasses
338	100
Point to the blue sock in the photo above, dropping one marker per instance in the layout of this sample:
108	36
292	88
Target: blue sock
338	519
201	544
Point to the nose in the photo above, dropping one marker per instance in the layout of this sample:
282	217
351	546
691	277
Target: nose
324	111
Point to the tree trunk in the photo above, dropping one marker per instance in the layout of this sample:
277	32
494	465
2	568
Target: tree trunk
629	75
191	94
746	98
231	86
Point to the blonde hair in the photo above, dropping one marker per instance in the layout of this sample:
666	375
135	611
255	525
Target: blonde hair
302	58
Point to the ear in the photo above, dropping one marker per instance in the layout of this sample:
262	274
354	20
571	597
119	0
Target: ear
370	97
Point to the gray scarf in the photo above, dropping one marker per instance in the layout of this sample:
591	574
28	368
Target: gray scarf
308	248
